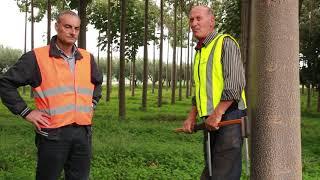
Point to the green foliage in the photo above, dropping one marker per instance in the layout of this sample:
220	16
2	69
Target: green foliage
8	57
228	17
309	42
134	27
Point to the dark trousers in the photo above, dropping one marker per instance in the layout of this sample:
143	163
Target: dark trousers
226	146
67	148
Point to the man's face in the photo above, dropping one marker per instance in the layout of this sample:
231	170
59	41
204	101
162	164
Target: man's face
201	22
68	29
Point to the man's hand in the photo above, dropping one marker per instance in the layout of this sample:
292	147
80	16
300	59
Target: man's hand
38	118
188	124
212	122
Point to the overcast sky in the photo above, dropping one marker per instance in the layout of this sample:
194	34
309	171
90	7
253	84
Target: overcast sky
12	33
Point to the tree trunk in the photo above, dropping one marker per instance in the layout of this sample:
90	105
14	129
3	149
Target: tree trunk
48	21
122	86
109	68
180	69
191	69
302	89
98	58
187	70
83	17
25	38
154	65
160	56
133	84
275	106
167	69
308	97
145	58
173	73
318	109
32	36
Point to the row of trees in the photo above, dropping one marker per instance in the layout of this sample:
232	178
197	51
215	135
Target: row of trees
142	27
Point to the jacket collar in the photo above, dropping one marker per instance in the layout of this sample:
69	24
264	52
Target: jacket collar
54	51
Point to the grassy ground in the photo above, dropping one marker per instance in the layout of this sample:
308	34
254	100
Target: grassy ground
141	147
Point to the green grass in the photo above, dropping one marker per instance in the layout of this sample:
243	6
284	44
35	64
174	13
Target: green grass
141	147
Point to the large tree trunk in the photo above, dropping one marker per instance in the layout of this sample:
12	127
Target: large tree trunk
109	68
122	86
145	58
160	56
83	25
48	21
275	106
173	71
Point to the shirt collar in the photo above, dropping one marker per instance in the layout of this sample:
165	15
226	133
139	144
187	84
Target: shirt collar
204	42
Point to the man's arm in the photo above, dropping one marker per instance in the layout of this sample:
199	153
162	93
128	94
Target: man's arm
24	72
96	79
189	123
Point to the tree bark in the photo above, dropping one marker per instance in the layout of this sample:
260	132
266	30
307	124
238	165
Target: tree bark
180	69
145	58
160	56
122	86
83	26
173	73
275	106
109	75
48	21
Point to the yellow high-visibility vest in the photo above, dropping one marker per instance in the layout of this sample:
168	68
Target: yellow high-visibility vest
208	77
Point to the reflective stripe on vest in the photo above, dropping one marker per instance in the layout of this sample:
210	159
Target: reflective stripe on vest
62	94
208	77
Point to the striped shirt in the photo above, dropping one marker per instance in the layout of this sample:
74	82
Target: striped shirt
233	71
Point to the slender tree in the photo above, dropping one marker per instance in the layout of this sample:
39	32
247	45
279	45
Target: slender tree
108	83
122	90
83	17
145	58
154	65
160	55
188	70
32	35
173	73
25	36
48	21
180	69
276	135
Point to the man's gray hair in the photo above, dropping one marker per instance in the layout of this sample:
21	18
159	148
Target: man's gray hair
210	10
65	12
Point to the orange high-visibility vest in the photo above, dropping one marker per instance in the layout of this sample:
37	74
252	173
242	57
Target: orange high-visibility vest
62	94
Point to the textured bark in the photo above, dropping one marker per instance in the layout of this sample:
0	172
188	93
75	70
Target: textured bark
275	105
83	25
160	56
32	35
48	21
108	82
187	68
25	38
122	86
145	58
173	72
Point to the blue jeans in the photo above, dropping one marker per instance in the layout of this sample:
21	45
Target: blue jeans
66	148
226	146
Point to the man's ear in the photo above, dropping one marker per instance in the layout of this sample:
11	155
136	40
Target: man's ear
56	26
